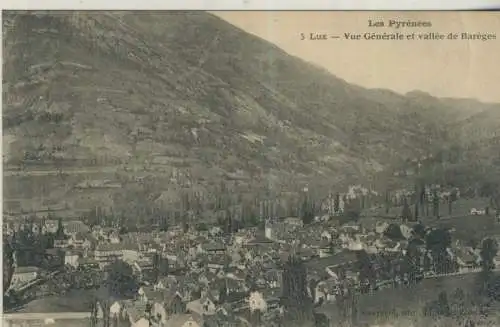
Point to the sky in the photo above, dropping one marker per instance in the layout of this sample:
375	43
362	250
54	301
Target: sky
444	68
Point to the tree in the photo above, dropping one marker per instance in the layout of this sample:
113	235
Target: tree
393	231
160	266
416	211
8	264
452	198
60	230
307	211
419	231
352	211
443	305
228	223
93	312
387	202
406	213
223	293
489	249
202	227
450	206
120	280
435	203
295	296
336	203
367	274
437	241
412	261
458	302
163	226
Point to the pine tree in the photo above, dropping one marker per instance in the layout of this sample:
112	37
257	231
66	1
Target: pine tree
387	202
295	295
163	226
336	204
435	203
406	213
229	228
416	211
8	264
450	205
60	230
307	211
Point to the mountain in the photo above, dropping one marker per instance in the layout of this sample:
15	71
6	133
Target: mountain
188	92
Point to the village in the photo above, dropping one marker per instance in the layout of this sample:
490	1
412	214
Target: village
224	275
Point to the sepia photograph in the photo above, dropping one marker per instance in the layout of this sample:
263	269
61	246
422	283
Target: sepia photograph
250	168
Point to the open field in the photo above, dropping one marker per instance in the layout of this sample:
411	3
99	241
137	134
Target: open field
410	302
73	301
414	298
76	322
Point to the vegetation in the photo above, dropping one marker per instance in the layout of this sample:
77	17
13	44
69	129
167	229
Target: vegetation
393	232
120	281
7	264
295	298
272	147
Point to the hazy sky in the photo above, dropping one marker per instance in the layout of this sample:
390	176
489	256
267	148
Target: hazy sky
449	68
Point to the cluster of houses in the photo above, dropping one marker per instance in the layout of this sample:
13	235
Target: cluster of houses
220	279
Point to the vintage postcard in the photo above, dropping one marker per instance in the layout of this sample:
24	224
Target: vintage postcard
251	168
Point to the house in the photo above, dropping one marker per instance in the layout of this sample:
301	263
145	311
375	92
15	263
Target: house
393	246
222	319
147	294
23	275
142	268
203	306
88	263
294	221
256	301
477	212
331	264
77	241
380	227
166	283
61	243
272	297
185	320
217	263
273	278
326	291
213	248
406	231
257	240
350	227
116	308
55	257
173	302
235	286
75	226
466	259
72	259
139	321
215	231
105	254
325	250
114	237
166	305
326	236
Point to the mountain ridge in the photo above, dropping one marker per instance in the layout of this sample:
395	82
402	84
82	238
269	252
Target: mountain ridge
190	91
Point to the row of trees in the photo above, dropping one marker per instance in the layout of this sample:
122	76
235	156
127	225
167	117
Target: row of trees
30	243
